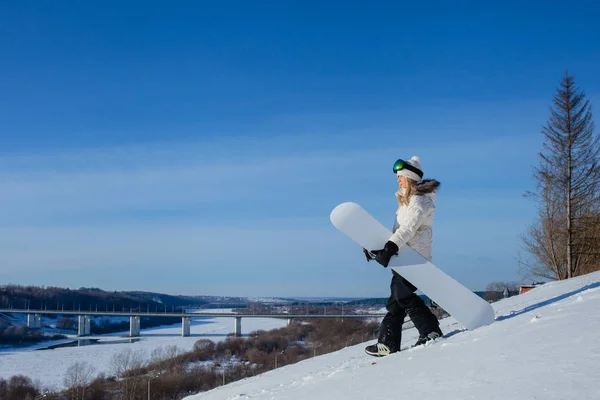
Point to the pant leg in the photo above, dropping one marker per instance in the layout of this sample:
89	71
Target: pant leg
403	292
425	321
390	330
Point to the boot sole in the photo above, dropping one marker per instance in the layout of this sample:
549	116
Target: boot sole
376	354
427	343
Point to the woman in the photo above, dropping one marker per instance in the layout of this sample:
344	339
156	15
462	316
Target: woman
413	226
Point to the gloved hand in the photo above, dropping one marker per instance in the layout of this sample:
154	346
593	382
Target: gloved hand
368	254
383	256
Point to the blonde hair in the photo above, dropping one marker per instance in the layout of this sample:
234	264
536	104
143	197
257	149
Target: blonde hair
411	186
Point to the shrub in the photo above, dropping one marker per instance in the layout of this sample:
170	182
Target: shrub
18	387
205	349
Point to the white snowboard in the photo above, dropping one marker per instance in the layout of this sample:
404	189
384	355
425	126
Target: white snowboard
469	310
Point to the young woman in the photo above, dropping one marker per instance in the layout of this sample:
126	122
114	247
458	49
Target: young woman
413	226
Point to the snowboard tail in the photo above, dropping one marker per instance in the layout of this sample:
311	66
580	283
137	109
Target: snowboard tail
470	310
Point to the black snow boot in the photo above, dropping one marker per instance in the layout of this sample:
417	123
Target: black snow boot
379	350
433	335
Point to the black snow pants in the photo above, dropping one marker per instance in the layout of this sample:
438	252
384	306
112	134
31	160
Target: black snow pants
402	301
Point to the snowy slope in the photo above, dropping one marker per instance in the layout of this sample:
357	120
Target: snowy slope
544	345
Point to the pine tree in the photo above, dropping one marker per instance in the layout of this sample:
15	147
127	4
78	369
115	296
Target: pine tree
564	239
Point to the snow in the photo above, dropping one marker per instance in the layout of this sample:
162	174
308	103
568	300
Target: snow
49	366
381	310
543	345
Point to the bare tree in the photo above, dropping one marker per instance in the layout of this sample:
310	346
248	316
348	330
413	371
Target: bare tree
77	378
126	367
164	353
563	241
166	357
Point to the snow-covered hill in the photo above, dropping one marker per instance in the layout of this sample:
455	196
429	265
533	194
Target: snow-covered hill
545	344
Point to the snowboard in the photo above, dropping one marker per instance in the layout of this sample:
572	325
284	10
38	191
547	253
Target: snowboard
468	309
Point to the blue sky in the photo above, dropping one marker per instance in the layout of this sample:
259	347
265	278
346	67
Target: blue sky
199	147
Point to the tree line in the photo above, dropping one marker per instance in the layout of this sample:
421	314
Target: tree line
91	299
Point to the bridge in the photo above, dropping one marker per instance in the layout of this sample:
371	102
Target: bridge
83	318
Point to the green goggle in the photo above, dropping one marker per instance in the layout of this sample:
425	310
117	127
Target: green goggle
400	164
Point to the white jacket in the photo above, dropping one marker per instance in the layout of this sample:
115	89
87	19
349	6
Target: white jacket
414	222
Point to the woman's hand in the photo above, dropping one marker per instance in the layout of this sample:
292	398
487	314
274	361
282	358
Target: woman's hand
384	255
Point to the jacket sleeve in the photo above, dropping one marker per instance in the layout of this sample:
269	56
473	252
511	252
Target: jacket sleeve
407	228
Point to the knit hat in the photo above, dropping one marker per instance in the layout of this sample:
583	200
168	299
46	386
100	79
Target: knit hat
412	169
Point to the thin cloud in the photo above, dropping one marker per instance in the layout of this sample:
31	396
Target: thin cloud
96	210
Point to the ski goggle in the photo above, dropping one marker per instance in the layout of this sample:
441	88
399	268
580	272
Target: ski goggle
400	164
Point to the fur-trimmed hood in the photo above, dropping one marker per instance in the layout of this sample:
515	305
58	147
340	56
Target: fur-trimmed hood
427	186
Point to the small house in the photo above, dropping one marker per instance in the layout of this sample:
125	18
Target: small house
526	288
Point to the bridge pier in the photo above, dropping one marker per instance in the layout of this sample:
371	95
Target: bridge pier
134	326
289	321
34	321
238	326
83	325
185	326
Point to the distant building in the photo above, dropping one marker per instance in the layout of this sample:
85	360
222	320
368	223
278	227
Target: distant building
526	288
505	294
